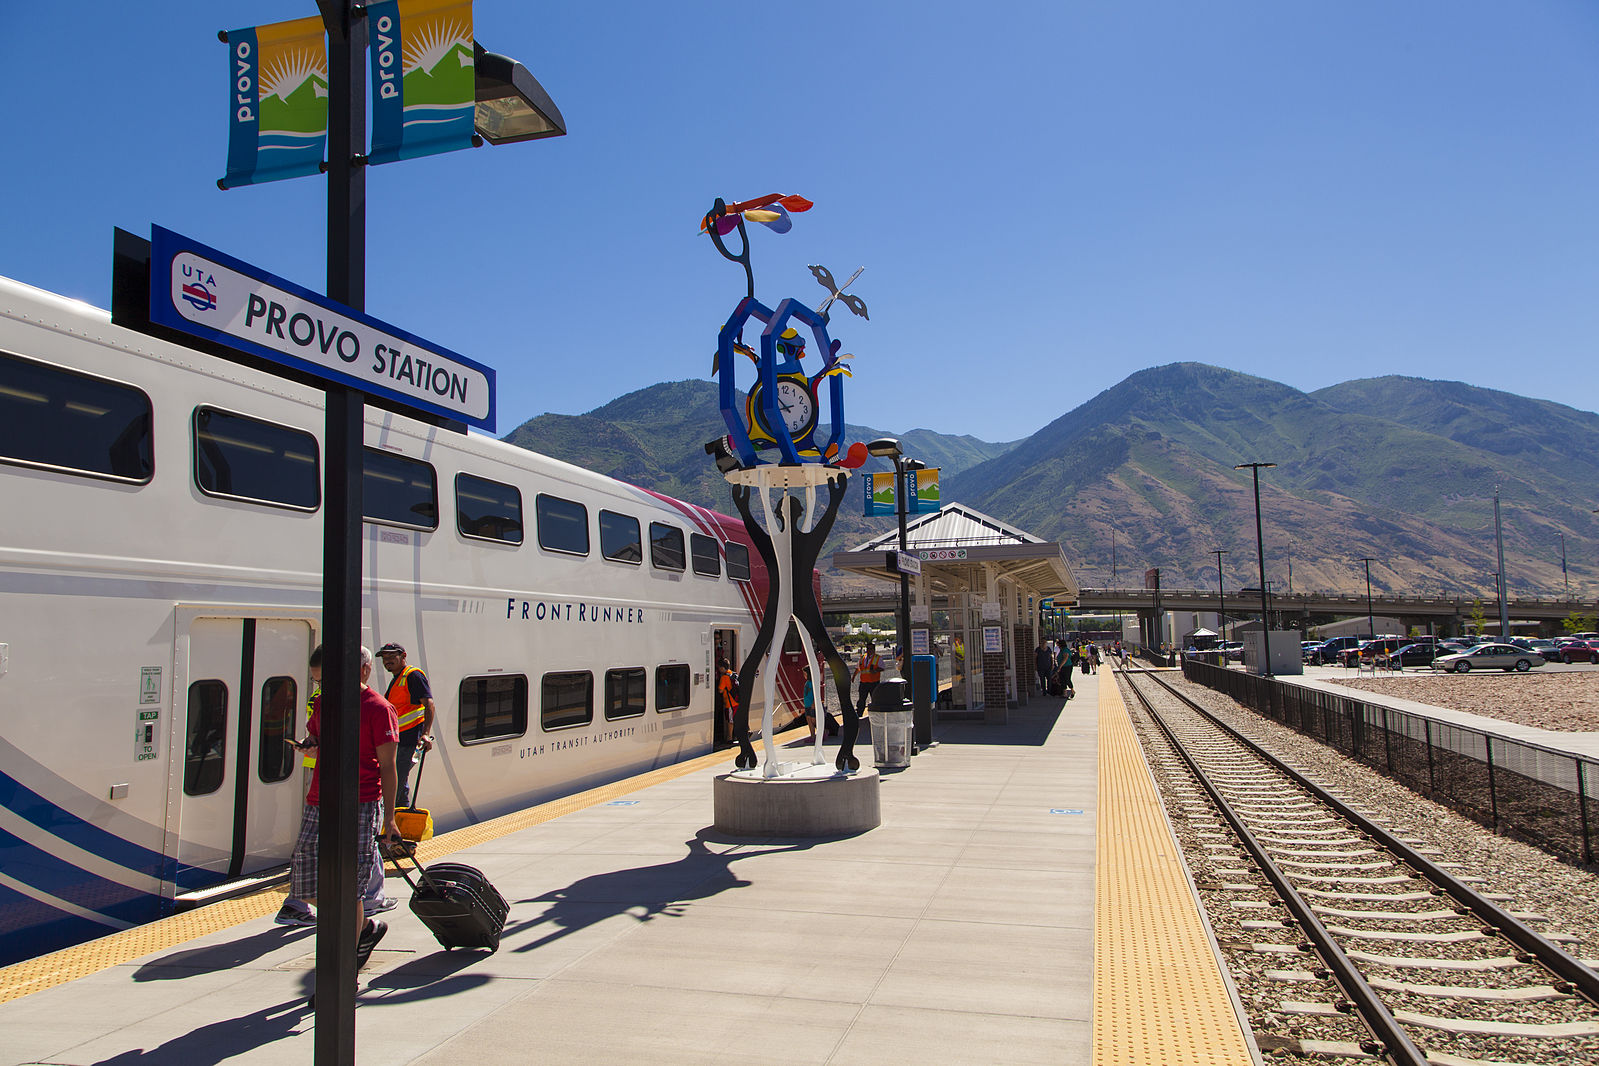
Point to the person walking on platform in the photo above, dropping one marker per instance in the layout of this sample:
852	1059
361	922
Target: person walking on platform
413	702
1082	659
870	670
1063	668
375	792
1044	664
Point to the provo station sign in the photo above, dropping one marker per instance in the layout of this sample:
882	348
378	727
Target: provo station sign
207	293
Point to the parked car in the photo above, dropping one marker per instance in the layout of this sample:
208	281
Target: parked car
1579	651
1486	656
1329	652
1549	649
1415	655
1309	648
1232	649
1379	648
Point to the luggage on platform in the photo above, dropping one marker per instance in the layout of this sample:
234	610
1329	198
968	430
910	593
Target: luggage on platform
456	902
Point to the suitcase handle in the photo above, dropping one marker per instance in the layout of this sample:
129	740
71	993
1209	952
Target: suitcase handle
395	854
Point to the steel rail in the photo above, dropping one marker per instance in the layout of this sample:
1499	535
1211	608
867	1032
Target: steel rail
1554	958
1392	1040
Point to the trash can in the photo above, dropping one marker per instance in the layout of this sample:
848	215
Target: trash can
891	723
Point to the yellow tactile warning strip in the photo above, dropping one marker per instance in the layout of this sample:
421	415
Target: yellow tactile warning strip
69	964
1159	996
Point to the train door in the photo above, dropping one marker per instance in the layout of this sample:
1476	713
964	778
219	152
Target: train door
724	648
237	790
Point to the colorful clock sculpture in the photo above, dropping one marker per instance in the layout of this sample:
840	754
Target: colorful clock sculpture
780	418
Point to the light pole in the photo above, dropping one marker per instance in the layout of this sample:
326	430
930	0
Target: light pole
510	105
1563	572
1260	553
1221	592
888	448
1371	627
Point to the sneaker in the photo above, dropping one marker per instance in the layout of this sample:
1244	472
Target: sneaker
371	933
291	915
388	903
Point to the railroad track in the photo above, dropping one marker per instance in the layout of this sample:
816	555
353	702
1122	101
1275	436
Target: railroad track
1346	940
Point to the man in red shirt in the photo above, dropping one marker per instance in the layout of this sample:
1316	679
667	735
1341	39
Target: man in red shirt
375	792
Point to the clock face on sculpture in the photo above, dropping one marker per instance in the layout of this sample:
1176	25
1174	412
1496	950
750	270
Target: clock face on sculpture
796	406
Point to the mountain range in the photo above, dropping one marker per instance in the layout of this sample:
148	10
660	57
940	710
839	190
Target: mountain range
1401	470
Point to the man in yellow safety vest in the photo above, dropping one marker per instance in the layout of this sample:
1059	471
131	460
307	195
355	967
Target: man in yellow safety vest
413	702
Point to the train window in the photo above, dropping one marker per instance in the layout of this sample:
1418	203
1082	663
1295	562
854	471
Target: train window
567	700
70	421
492	708
243	458
666	546
399	491
563	525
671	687
738	561
487	509
280	704
624	693
206	738
619	538
707	560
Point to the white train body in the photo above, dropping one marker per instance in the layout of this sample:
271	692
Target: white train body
155	622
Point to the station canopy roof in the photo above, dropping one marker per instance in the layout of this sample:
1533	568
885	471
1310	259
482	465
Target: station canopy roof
958	540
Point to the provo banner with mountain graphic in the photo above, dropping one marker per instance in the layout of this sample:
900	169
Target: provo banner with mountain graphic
277	101
922	495
423	77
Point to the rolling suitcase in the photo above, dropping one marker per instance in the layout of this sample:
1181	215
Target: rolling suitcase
456	902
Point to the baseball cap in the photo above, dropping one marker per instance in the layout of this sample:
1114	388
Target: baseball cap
390	649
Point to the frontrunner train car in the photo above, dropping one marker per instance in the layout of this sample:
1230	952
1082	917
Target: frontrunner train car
160	592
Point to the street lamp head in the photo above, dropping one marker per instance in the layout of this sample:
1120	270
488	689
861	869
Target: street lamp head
511	104
915	464
884	448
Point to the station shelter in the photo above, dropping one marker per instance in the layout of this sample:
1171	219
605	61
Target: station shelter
979	598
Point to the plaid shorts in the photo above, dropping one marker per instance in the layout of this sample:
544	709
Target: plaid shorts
302	867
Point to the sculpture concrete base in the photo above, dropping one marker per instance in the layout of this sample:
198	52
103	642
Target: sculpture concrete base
812	801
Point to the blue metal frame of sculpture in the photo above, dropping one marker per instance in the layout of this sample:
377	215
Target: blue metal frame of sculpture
781	413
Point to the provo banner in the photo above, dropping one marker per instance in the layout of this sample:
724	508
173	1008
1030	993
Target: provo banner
201	291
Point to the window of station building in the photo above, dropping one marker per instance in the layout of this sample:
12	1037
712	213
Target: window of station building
707	560
488	510
491	708
69	421
666	546
624	693
398	490
567	700
244	458
205	738
671	687
620	540
563	525
738	561
280	708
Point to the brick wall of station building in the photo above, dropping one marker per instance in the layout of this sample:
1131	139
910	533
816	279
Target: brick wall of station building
996	697
1026	676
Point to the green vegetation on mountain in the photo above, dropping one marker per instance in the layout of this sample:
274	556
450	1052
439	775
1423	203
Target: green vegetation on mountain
1142	475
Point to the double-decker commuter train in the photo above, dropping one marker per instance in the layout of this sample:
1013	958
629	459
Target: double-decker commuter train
160	592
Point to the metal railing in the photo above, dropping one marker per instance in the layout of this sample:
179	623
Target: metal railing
1533	793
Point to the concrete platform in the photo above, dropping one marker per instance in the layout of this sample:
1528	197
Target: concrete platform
960	931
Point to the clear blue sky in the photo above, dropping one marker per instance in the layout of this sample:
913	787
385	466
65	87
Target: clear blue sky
1047	196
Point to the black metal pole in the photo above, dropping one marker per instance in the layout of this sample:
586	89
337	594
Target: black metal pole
337	891
904	578
1260	553
1221	594
1371	625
